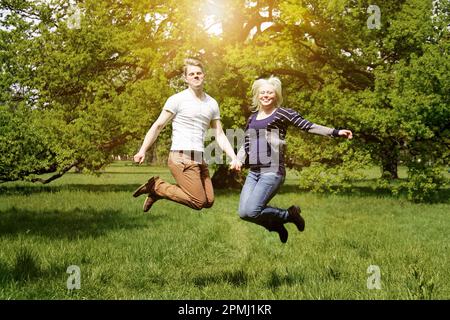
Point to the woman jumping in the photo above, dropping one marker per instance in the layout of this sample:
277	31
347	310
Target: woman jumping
263	151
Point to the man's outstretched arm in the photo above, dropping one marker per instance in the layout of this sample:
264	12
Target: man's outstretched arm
152	134
224	144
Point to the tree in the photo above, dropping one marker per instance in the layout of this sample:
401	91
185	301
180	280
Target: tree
75	96
90	90
339	72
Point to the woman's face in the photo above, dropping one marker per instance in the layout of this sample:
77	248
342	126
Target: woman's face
267	96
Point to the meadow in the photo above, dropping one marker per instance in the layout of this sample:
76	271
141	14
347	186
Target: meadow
174	252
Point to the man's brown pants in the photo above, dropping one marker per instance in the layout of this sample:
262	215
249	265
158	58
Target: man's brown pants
194	187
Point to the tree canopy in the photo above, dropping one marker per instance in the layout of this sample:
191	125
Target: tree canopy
76	89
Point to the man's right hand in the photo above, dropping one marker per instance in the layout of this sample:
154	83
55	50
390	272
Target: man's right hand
236	165
139	157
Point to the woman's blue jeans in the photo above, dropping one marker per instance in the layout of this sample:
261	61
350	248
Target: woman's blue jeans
258	190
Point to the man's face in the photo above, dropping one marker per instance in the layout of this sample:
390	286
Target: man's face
194	77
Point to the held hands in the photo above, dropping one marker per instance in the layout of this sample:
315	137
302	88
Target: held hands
236	165
345	133
139	157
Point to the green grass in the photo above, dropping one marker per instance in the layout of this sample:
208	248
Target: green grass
174	252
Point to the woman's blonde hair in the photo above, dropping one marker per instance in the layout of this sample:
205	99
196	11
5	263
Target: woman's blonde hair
273	81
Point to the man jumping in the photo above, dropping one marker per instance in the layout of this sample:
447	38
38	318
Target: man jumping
192	112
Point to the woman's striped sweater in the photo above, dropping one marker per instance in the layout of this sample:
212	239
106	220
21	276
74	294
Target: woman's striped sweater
275	133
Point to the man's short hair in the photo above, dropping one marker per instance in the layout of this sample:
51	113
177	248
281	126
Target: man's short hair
192	62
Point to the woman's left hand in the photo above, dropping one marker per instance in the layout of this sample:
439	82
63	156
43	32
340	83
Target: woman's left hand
236	165
345	133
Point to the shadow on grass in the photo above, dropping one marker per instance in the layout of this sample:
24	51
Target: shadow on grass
73	224
32	189
276	280
441	196
27	267
235	278
5	273
147	174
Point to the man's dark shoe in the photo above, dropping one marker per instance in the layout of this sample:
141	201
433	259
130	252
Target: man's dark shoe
296	218
146	188
149	202
282	233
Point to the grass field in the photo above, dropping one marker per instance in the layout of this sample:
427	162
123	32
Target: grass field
174	252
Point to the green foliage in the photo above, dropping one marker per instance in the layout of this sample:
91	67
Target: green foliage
389	86
423	182
27	143
94	91
89	91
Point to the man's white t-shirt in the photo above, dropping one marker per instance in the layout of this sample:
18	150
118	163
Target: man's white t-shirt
192	119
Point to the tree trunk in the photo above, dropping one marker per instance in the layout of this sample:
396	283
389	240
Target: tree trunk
223	178
389	161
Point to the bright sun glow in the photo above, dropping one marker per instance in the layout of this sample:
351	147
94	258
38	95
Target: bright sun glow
212	25
213	15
